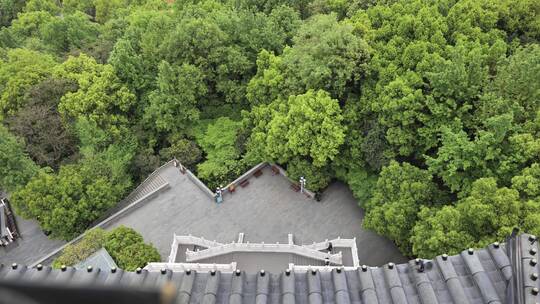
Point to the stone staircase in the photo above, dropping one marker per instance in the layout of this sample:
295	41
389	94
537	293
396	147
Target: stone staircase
151	184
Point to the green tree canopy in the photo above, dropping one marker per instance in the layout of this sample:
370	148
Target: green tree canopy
72	32
173	105
120	238
100	97
72	254
137	255
325	55
66	203
125	245
19	71
49	6
186	151
488	214
307	125
400	192
9	9
218	142
16	168
38	122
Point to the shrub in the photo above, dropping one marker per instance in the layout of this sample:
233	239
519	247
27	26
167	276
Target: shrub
125	245
92	241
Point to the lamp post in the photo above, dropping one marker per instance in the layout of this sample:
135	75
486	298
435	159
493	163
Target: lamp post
219	194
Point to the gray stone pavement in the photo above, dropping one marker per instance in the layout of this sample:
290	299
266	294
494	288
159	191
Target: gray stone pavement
33	244
266	211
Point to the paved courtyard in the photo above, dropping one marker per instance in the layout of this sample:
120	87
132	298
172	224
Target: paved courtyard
32	245
266	211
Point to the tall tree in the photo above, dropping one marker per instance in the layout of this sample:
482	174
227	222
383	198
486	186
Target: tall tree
100	97
19	71
439	231
307	125
173	106
218	142
38	122
9	9
66	203
400	192
325	55
16	169
69	33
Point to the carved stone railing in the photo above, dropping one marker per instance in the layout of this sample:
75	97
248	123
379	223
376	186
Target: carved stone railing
339	242
192	256
189	240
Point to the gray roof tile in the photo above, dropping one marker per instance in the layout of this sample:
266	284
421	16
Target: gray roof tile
237	288
212	286
422	283
184	292
287	288
498	254
480	277
394	285
341	291
367	287
263	289
314	287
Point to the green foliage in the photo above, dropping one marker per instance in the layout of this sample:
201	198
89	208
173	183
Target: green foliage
127	248
101	97
85	6
173	105
16	169
25	31
528	182
119	239
49	6
72	254
21	70
307	125
68	202
186	151
270	5
362	182
488	214
125	245
326	55
439	230
9	9
137	255
400	192
495	151
218	143
38	122
316	178
69	33
516	85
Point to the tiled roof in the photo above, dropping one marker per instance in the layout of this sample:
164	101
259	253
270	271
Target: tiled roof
473	276
100	259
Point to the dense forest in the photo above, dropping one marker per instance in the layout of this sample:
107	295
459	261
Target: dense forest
428	109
